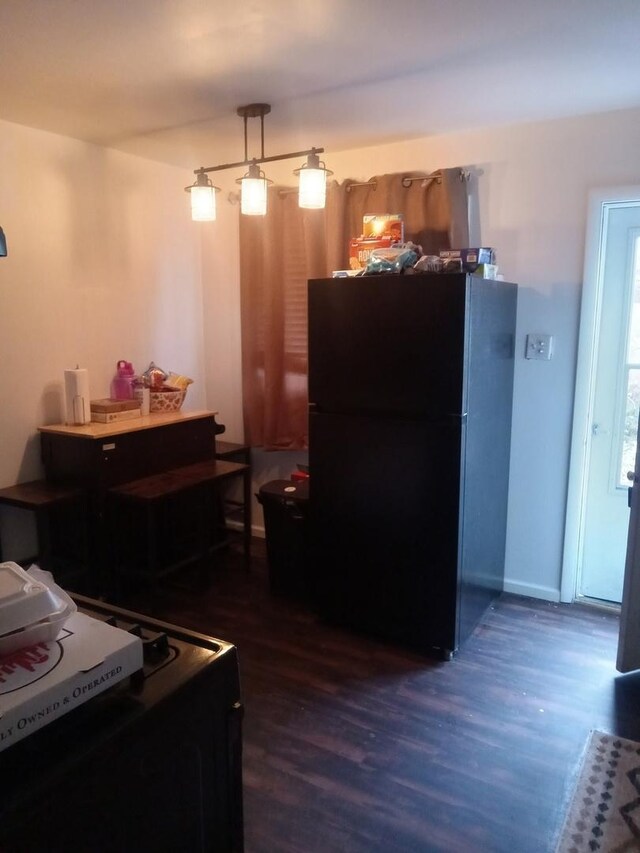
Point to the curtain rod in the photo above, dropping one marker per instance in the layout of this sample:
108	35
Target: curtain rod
406	182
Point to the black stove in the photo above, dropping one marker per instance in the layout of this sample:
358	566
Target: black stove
153	764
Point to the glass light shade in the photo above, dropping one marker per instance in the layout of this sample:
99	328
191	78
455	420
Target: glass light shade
253	196
203	203
313	188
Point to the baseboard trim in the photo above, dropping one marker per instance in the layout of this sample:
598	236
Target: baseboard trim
532	590
257	531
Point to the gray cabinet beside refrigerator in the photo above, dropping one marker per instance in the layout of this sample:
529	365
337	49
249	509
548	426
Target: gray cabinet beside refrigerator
410	395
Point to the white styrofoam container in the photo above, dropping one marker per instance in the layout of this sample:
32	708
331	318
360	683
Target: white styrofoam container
23	600
32	608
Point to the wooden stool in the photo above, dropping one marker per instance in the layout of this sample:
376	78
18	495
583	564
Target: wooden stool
233	452
230	509
192	482
41	498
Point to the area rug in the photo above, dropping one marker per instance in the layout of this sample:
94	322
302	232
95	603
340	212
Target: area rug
604	814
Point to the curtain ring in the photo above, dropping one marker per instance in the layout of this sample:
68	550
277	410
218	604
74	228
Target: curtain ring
424	182
351	184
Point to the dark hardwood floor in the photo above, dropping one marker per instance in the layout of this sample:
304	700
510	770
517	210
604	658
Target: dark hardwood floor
354	745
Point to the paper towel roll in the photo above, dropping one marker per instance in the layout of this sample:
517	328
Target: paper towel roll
76	391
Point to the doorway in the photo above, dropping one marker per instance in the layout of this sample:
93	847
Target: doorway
607	401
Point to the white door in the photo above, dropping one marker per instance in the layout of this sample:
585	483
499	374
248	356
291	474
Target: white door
615	406
629	632
607	400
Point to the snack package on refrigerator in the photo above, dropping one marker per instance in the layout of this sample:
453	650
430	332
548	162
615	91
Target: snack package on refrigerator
360	250
383	225
394	259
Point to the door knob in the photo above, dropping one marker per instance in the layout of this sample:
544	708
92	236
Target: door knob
631	476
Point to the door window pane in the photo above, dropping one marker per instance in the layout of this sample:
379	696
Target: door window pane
630	430
633	350
632	369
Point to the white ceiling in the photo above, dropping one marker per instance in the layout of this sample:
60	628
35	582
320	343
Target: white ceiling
163	78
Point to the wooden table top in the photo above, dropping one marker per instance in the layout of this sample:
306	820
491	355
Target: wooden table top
98	430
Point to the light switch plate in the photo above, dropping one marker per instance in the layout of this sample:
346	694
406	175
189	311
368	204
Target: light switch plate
539	346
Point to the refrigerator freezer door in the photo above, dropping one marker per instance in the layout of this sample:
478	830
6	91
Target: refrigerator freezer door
388	344
384	513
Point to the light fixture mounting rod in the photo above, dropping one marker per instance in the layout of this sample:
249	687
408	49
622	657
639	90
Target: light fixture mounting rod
254	111
246	162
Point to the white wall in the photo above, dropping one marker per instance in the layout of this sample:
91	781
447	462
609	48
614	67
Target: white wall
529	196
103	264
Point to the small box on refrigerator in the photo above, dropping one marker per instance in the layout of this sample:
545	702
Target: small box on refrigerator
471	258
360	250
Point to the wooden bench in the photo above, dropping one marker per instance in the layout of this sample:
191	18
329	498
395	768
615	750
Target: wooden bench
231	508
41	498
233	452
194	483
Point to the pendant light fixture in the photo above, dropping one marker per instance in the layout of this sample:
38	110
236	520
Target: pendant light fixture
203	198
253	191
313	175
254	184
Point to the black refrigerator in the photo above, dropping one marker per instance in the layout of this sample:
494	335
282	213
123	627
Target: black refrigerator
410	394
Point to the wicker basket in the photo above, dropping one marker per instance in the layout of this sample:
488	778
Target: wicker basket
167	401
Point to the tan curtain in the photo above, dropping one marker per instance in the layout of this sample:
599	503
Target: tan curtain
434	208
280	252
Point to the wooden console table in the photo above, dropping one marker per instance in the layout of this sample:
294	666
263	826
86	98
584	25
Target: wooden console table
99	457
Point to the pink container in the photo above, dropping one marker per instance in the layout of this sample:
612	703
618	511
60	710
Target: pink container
122	382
